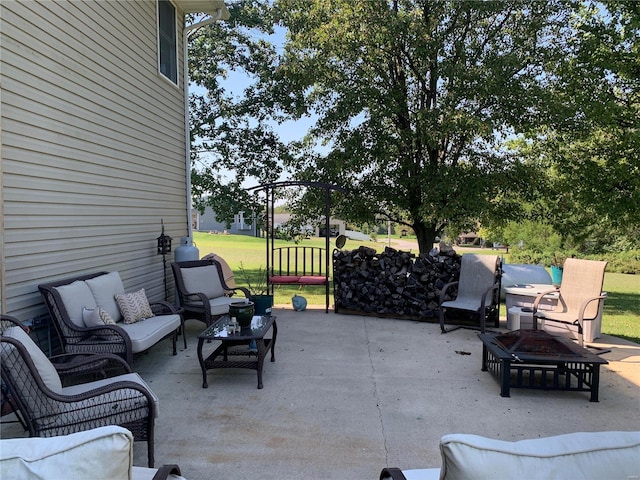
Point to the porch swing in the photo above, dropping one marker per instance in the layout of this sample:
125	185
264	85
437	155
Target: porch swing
296	265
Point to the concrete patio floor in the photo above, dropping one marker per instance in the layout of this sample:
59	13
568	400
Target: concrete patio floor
349	395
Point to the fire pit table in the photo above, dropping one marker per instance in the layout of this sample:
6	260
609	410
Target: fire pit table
537	360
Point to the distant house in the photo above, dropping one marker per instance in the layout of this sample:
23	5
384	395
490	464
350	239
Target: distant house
245	224
468	238
336	227
242	224
93	143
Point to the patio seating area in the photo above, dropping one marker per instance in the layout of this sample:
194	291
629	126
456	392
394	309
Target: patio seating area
349	395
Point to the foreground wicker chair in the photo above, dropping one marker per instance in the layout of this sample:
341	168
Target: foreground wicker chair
478	291
579	296
48	408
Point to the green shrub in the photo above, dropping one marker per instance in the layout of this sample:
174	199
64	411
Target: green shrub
620	262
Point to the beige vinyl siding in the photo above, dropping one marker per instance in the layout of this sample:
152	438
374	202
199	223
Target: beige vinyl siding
92	146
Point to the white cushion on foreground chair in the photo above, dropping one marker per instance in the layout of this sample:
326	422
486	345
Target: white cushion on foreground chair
104	453
583	455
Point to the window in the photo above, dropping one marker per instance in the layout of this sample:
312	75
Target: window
167	45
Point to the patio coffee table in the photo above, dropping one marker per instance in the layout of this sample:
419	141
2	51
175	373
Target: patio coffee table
236	346
537	360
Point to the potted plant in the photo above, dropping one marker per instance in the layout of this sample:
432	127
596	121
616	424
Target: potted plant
256	283
557	263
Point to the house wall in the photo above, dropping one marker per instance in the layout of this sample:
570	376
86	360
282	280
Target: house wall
92	147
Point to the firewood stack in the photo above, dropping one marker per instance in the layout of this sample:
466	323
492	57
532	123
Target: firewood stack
393	282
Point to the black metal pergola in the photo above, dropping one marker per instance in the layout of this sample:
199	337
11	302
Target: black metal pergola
270	189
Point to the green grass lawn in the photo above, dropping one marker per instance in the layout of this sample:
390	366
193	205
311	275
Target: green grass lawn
621	309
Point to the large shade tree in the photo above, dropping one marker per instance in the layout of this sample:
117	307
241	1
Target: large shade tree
413	99
413	102
592	149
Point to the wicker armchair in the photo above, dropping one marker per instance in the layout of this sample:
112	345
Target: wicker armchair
48	408
202	290
114	339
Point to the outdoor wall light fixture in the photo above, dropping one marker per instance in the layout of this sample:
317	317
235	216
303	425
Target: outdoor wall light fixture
164	248
164	242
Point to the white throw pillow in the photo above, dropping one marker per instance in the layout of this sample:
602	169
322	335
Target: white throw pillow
104	289
134	306
75	297
96	317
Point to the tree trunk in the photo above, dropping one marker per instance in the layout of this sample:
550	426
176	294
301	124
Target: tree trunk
426	236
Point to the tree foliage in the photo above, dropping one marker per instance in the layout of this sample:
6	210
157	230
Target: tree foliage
591	151
413	100
232	138
434	114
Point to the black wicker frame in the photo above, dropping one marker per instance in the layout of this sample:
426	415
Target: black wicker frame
103	339
196	305
46	413
392	473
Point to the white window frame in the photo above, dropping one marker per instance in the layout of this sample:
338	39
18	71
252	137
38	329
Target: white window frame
160	42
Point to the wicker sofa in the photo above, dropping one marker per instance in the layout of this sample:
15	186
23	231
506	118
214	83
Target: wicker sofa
104	453
582	455
67	298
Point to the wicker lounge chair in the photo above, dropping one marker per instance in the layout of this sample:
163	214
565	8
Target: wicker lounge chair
65	300
202	290
478	291
51	404
580	296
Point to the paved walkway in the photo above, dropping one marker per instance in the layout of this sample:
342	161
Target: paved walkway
349	395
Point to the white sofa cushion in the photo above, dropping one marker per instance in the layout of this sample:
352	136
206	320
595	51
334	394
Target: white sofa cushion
584	455
128	377
203	280
75	297
146	334
103	453
104	289
99	454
